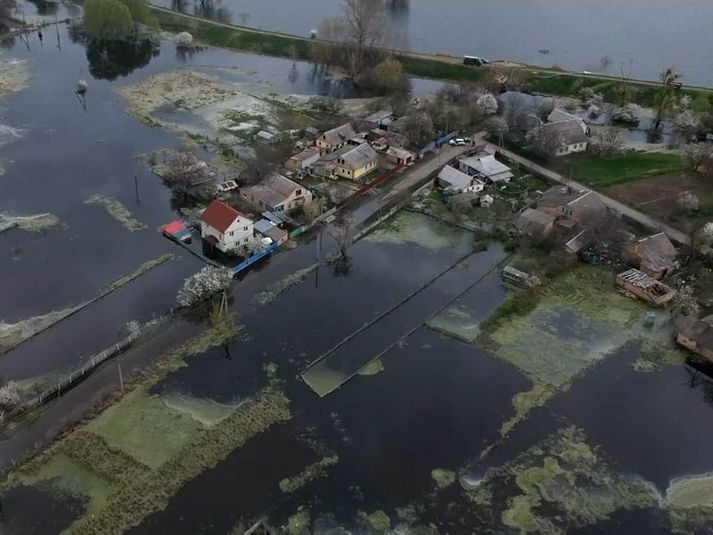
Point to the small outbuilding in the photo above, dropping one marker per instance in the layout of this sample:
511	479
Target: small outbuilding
399	156
645	287
453	181
654	255
695	334
535	223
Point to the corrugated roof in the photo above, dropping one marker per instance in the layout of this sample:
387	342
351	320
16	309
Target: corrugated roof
273	190
220	216
340	134
456	179
568	132
488	166
358	157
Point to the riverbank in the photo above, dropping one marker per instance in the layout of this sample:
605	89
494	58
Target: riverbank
441	67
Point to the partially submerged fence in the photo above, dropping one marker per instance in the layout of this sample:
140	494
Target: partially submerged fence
80	374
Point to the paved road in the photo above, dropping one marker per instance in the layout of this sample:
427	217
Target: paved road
627	211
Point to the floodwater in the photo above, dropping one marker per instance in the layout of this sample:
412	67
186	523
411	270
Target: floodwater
640	37
56	155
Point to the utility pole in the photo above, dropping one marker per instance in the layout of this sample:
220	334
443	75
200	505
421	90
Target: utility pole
136	188
121	376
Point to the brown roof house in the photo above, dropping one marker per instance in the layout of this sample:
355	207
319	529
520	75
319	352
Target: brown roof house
224	228
335	138
654	255
695	334
277	193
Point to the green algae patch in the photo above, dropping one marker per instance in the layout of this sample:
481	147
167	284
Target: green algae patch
458	322
376	366
74	477
146	428
575	322
378	521
205	411
118	211
299	523
312	472
524	402
443	478
560	484
692	491
275	290
138	272
418	229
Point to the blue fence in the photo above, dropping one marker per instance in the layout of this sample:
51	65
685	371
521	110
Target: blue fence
436	143
254	258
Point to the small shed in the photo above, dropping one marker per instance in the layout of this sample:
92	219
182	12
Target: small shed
519	278
266	137
645	287
399	156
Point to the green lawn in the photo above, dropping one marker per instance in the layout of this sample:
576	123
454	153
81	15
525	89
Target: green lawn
602	172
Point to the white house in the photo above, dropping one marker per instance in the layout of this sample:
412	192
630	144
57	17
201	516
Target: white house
301	161
558	115
225	228
485	166
453	181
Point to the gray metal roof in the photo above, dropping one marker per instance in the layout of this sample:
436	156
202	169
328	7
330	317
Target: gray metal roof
340	134
454	178
358	156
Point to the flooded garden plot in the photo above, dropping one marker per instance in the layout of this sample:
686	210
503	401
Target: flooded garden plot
128	461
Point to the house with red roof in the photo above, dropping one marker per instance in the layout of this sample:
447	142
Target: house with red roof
226	229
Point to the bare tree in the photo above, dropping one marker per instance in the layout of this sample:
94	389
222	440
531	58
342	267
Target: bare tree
365	22
183	168
688	202
342	231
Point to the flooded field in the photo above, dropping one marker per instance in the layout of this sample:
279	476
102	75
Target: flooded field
445	429
406	390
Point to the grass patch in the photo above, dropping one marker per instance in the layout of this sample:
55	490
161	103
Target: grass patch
557	332
13	334
309	474
118	211
602	172
146	428
443	478
143	268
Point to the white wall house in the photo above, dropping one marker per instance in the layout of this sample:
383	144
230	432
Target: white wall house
453	181
225	228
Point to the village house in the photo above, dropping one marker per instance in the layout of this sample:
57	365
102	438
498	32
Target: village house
535	223
335	138
380	118
695	334
578	206
453	181
353	162
399	156
484	166
302	161
654	255
560	138
224	228
266	137
277	193
559	115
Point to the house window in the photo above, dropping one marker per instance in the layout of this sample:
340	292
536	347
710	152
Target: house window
232	233
246	240
244	228
298	192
